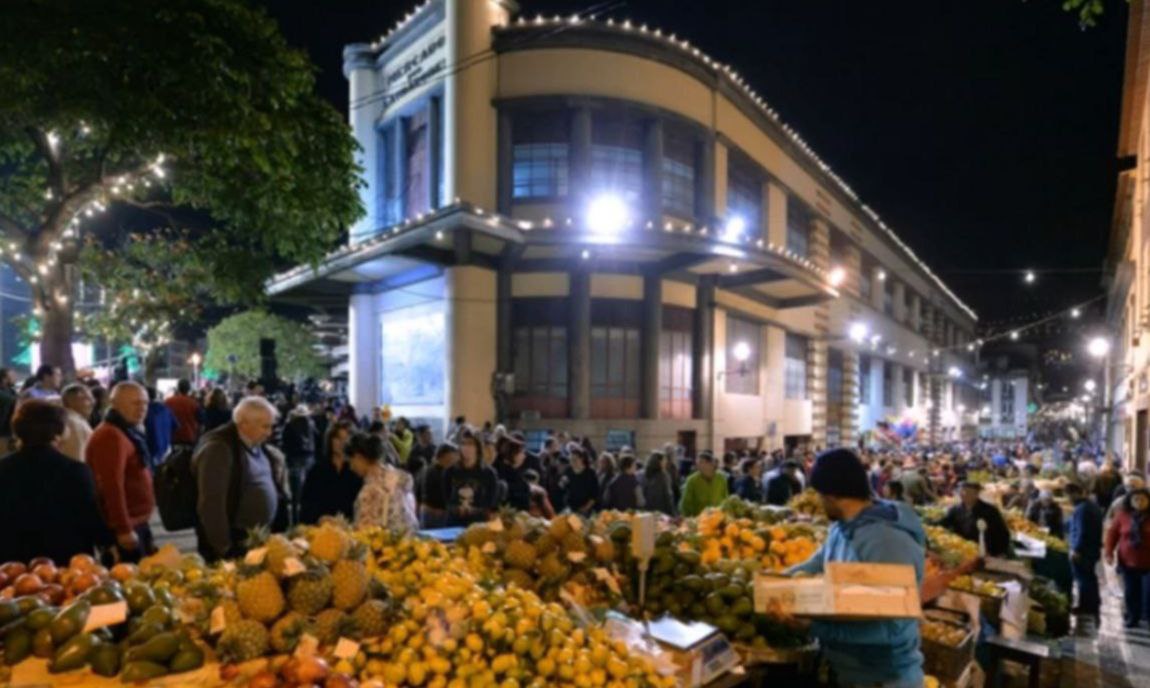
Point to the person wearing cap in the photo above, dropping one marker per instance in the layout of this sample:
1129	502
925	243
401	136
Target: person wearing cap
962	519
865	530
703	488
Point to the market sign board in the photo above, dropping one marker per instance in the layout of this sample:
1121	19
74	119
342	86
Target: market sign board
412	71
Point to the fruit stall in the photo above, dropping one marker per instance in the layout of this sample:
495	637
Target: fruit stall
515	601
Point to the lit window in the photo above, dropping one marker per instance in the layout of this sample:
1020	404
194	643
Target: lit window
795	367
539	170
618	169
745	195
678	188
744	339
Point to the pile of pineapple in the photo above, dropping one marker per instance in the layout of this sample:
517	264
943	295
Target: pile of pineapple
315	585
721	537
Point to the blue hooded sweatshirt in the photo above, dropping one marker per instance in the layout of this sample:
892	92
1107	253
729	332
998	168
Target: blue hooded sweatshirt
885	652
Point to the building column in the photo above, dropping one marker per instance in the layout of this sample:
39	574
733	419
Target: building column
579	346
853	266
705	184
503	334
935	415
398	168
653	169
777	215
363	351
877	402
916	312
434	152
359	68
850	412
703	345
503	161
899	403
899	310
652	324
820	247
580	157
877	289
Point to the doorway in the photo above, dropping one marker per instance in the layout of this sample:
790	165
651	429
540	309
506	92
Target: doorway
1140	441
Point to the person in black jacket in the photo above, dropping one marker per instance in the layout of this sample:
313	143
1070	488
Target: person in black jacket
783	484
47	500
423	452
298	444
471	485
331	486
431	487
512	468
749	484
963	519
582	485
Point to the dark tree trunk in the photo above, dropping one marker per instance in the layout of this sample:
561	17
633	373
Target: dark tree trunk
56	338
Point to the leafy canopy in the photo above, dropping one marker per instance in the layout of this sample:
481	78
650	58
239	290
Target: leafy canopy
240	335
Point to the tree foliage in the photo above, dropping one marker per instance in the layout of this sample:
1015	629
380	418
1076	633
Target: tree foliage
239	335
195	111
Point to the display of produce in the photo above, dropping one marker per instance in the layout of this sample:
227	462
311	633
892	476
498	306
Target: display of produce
943	633
807	503
1018	523
978	586
950	549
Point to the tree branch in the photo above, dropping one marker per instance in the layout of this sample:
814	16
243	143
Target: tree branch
57	181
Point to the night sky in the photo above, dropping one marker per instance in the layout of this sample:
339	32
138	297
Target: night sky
984	132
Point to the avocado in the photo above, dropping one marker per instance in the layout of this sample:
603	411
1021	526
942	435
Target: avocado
42	645
688	557
107	593
139	597
138	672
105	659
715	604
187	660
40	618
145	632
29	602
9	611
159	649
73	654
70	620
157	613
17	645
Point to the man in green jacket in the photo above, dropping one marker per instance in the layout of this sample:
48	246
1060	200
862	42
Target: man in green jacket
704	488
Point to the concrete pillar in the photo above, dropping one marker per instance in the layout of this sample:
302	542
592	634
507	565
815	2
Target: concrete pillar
817	389
878	402
916	312
471	344
504	160
900	302
935	415
877	289
653	169
434	152
720	179
359	68
820	243
579	345
703	344
853	266
652	328
363	352
777	212
705	184
850	422
580	157
764	228
503	358
398	169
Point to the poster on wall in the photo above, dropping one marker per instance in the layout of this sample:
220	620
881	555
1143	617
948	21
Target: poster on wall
412	355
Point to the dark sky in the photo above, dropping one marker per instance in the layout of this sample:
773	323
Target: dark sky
984	131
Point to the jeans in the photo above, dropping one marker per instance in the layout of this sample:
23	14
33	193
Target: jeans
295	484
1086	575
1137	590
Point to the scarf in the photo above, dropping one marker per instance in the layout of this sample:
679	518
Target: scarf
133	433
1135	534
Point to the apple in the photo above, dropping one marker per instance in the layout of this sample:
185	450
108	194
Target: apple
28	584
40	560
82	562
54	594
13	569
84	582
8	593
124	572
47	572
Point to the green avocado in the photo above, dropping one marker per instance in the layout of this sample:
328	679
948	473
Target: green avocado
139	597
73	654
9	611
29	602
157	613
42	645
187	660
108	593
40	618
138	672
159	649
70	621
145	632
715	604
105	659
17	645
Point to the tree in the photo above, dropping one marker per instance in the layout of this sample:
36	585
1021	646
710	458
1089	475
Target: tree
181	108
239	335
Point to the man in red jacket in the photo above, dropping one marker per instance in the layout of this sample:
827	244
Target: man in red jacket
118	455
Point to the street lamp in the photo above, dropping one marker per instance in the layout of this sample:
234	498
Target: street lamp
1089	385
607	214
734	229
836	276
195	359
858	332
1099	348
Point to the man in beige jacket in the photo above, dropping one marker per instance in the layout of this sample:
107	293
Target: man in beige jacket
78	401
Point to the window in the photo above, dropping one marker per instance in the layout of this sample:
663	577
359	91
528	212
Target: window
745	194
864	379
615	372
389	204
887	385
908	387
866	273
743	338
835	377
617	157
679	176
798	227
416	140
795	368
540	361
539	170
675	366
1006	403
888	297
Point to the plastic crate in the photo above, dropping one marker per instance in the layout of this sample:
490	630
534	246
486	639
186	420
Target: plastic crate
948	662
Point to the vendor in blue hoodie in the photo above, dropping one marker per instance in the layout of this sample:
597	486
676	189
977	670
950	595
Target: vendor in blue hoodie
864	529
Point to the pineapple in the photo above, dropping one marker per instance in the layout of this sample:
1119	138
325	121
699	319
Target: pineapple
286	632
280	549
371	618
520	554
545	544
560	527
476	535
350	579
232	612
519	578
605	550
310	591
259	596
573	542
329	542
330	624
242	641
552	568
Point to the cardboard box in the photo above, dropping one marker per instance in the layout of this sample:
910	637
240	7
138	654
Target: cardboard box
844	591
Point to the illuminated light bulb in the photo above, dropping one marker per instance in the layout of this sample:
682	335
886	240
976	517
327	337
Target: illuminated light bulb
836	276
1014	335
607	214
439	235
858	331
881	274
734	228
734	267
1074	312
741	351
585	254
1029	277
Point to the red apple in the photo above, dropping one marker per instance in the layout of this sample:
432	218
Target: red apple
28	584
54	594
13	569
8	593
47	572
38	561
84	582
82	562
3	580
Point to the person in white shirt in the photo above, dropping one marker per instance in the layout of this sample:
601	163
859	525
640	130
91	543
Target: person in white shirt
78	401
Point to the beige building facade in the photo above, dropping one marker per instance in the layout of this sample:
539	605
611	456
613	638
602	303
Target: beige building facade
594	226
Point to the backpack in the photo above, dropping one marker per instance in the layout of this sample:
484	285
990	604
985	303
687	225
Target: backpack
176	490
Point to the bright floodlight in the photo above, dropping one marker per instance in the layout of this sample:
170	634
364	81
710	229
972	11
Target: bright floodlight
954	372
1074	312
742	351
1098	347
734	229
1090	386
607	214
1030	277
881	275
858	331
1014	336
836	276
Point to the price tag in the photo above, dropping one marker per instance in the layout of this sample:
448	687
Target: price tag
301	544
605	576
106	615
229	566
576	557
495	525
293	567
346	649
489	548
218	621
308	644
256	556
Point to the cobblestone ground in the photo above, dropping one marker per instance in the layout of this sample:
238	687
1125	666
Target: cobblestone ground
1109	656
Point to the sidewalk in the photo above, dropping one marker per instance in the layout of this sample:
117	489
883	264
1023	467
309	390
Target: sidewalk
1110	656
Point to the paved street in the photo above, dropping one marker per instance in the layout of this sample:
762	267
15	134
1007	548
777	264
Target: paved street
1109	657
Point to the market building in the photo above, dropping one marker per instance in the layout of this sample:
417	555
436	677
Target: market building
1126	393
595	226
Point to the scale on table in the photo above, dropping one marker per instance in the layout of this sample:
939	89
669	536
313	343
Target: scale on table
700	651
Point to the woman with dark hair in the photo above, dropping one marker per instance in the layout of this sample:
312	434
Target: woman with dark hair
582	484
749	484
218	411
331	486
1129	537
472	486
47	500
658	492
386	499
